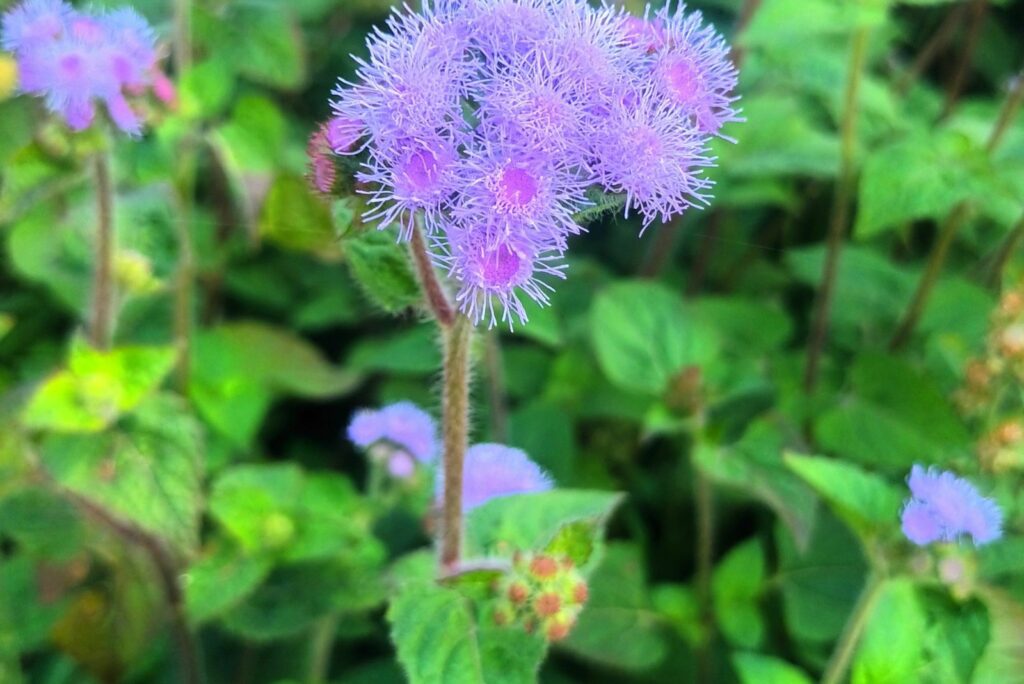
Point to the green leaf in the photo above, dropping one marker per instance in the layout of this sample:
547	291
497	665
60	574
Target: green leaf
746	327
896	417
294	597
921	177
736	588
527	522
1003	658
542	430
25	621
956	638
298	517
237	370
644	335
780	138
754	465
871	291
575	540
294	218
252	140
380	264
264	43
42	523
864	501
794	22
440	637
754	668
891	647
220	580
617	627
410	352
205	90
97	388
819	585
148	469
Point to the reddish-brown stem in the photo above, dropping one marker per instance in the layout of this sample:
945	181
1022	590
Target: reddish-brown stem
455	402
433	291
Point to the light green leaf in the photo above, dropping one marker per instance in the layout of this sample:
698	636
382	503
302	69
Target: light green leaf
440	637
238	368
755	668
97	387
528	522
644	336
42	523
294	218
923	176
819	585
410	352
736	587
380	264
617	627
896	417
864	501
891	647
148	469
1003	658
220	580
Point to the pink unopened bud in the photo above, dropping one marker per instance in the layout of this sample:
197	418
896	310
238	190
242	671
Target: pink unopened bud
547	604
164	89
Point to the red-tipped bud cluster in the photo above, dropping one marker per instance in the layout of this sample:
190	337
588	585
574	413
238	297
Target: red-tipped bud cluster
542	593
322	174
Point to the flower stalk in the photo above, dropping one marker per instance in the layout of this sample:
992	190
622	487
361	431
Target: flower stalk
839	663
455	401
104	289
840	208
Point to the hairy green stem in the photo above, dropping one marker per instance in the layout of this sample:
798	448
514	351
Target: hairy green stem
839	663
104	290
840	208
455	402
951	226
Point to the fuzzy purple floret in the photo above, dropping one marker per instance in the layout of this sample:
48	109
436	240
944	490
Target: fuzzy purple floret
403	425
494	470
944	507
73	59
493	120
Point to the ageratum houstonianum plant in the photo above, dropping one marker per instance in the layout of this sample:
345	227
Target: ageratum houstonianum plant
485	132
494	123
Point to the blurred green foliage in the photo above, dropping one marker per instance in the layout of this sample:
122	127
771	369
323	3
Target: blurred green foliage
665	366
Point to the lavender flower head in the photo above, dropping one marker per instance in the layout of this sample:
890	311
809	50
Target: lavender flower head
943	507
493	123
404	429
494	470
73	60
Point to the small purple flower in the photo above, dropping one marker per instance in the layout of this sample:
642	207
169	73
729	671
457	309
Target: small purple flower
943	507
74	60
646	152
494	470
404	425
694	71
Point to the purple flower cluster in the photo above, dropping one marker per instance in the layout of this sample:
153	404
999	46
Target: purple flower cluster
401	434
943	507
493	470
73	60
490	121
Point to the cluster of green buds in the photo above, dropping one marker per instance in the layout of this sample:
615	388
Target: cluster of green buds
542	593
988	393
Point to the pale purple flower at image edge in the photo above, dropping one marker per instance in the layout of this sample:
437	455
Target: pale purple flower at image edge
496	470
492	119
403	425
73	59
944	507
